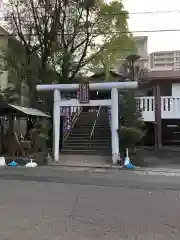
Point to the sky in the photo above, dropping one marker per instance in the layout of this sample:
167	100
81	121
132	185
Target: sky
157	41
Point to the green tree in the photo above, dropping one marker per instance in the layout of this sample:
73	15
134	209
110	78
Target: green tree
70	35
23	76
132	127
14	61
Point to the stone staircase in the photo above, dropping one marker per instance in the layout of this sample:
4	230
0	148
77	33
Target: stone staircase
80	141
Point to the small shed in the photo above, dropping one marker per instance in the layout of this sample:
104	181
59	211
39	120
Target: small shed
14	119
7	109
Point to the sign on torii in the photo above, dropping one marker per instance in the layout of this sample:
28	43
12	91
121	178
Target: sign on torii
113	102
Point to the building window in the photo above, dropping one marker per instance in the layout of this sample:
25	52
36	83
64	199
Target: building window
166	89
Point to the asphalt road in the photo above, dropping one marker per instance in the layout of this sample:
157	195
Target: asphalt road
50	204
113	178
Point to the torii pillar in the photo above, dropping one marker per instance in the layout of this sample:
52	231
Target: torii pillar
113	103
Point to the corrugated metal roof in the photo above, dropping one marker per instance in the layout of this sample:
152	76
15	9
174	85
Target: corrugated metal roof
29	111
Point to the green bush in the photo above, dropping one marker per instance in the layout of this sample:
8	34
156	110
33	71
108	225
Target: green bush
131	128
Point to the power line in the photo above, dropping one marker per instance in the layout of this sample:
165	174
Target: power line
106	33
145	12
156	31
139	13
154	12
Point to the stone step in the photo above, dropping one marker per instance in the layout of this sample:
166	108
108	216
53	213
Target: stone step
78	134
81	131
76	137
86	152
87	145
92	118
88	139
98	126
96	131
81	159
85	148
79	126
80	140
89	120
86	132
89	124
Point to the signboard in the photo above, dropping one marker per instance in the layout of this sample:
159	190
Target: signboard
83	93
69	95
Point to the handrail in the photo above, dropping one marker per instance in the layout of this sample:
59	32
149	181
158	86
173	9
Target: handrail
74	119
94	125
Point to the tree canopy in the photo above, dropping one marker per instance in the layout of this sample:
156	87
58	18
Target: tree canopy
70	35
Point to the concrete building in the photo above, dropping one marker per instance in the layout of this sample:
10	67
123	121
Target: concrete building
142	50
163	60
141	43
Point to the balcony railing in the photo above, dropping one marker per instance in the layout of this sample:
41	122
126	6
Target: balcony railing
170	108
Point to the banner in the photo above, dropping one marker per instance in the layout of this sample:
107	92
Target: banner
109	115
67	120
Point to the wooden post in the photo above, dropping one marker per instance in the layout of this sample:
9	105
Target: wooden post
158	121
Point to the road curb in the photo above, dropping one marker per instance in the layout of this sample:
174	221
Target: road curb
147	171
105	168
93	167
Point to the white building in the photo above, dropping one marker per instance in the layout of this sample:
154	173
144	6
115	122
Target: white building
163	60
142	50
141	44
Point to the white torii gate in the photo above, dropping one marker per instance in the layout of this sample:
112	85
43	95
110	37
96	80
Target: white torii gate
113	102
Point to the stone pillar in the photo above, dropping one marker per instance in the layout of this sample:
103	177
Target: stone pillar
115	126
158	121
56	125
